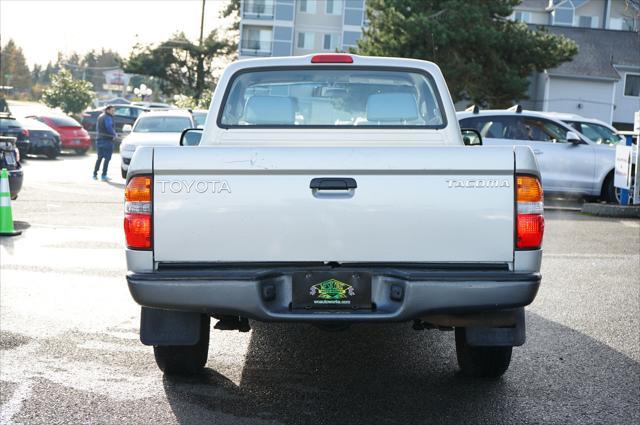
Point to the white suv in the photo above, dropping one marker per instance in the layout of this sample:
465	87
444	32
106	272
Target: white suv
569	162
155	128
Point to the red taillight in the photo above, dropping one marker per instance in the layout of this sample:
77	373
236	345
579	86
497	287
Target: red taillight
530	209
530	230
332	58
137	212
25	132
137	228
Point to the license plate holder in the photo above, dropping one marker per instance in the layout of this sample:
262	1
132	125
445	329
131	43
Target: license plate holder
331	290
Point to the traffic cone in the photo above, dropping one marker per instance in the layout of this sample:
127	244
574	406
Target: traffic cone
6	218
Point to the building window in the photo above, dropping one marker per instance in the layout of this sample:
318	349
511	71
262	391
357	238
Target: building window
520	16
258	7
256	38
305	40
629	24
330	42
563	15
632	85
333	7
588	21
307	6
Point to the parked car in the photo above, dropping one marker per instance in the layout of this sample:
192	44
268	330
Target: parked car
333	189
199	116
10	159
10	126
595	130
72	135
570	163
154	105
43	140
122	115
155	128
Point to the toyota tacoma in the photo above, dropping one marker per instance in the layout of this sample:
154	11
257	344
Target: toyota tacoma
333	189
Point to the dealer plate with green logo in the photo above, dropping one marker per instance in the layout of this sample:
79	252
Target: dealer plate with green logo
331	290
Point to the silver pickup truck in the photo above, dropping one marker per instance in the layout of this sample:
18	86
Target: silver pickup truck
333	189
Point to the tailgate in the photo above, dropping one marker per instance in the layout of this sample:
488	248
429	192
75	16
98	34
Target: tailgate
432	204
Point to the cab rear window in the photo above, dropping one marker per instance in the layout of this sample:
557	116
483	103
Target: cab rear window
329	97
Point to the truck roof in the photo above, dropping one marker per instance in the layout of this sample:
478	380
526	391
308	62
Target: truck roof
357	60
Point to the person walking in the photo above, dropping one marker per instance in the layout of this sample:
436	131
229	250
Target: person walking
104	141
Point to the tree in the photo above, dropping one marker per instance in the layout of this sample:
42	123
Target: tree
485	57
13	67
233	9
183	67
72	96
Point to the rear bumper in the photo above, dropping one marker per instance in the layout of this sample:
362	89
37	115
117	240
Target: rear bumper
79	143
41	147
424	292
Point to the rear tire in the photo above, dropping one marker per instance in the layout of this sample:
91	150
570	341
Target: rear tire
185	359
123	172
609	191
52	154
81	151
481	362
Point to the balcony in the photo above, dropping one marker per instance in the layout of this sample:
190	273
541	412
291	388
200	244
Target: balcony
253	47
258	9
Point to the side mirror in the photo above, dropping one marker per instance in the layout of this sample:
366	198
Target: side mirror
471	137
191	137
573	138
127	128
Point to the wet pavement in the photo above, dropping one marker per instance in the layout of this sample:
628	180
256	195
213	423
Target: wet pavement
69	348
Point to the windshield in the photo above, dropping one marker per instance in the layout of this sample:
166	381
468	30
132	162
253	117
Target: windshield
161	124
599	133
327	97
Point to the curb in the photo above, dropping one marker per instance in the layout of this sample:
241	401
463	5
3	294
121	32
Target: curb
612	210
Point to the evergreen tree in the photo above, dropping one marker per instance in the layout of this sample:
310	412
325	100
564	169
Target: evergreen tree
182	67
14	71
485	57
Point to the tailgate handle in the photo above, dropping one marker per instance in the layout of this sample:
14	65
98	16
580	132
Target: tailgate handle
333	183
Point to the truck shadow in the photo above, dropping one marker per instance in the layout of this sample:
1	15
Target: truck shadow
296	374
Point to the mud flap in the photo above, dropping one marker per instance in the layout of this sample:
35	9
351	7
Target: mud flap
498	337
169	327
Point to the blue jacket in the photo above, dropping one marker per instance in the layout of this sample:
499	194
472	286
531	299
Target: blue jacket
105	128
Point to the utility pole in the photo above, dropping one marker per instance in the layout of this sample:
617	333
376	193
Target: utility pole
200	69
202	23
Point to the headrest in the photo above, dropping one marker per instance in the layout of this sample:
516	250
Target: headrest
392	107
270	110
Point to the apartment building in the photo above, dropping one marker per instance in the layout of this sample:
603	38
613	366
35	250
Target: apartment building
604	14
603	79
299	27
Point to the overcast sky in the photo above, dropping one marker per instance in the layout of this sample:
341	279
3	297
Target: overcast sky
44	27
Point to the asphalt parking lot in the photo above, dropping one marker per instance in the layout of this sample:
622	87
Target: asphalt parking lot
70	351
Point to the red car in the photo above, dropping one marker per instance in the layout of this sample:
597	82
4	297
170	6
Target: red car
72	135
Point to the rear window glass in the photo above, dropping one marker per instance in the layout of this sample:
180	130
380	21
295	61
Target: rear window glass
161	124
64	122
6	122
326	97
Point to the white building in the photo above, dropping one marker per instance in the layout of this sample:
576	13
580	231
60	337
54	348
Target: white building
299	27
